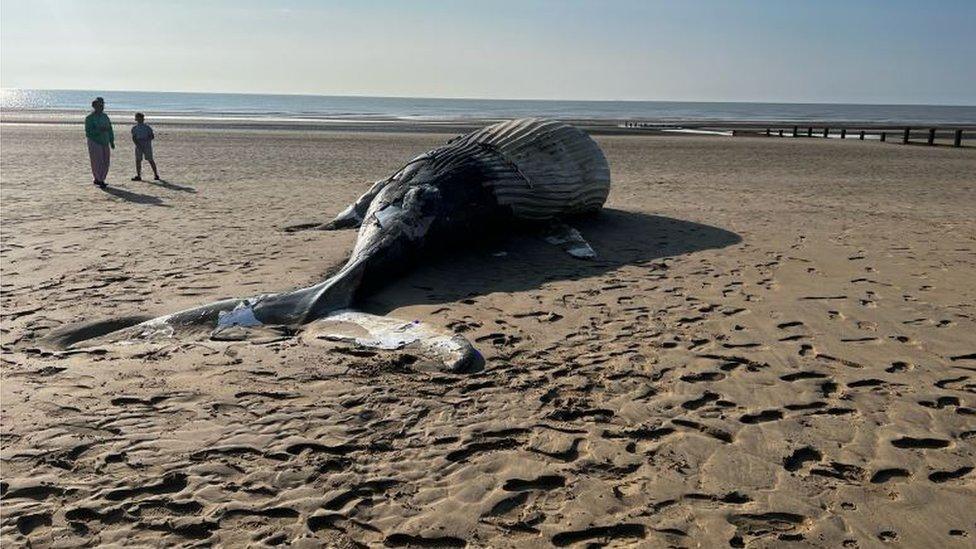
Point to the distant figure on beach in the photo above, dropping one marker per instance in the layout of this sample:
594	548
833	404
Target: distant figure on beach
98	129
142	136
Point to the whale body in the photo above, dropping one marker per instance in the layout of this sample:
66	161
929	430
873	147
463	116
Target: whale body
531	171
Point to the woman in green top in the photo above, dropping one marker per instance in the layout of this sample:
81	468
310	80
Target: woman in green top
98	129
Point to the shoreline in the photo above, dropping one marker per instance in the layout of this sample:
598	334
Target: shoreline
593	126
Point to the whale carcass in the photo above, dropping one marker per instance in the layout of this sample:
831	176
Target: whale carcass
531	170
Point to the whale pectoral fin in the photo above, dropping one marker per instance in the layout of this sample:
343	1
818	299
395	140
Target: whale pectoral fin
352	216
569	240
301	227
349	218
345	220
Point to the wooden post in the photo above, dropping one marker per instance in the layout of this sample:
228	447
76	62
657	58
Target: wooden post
884	135
767	132
957	141
931	136
794	131
810	132
904	138
826	132
861	137
843	133
781	133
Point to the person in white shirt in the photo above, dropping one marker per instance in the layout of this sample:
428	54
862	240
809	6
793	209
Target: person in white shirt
142	136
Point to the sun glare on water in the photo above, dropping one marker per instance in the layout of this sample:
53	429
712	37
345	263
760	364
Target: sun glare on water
11	98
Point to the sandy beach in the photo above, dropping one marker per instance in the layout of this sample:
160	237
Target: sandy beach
775	347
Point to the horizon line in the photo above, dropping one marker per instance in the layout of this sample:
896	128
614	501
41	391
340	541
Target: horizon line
304	94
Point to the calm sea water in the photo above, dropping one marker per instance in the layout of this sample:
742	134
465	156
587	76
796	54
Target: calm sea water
351	107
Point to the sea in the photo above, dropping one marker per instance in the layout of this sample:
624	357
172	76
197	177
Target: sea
338	108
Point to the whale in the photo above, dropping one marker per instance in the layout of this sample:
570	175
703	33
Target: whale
530	172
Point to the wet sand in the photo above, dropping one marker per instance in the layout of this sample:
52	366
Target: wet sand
774	347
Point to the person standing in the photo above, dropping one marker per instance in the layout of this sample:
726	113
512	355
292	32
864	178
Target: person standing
98	129
142	136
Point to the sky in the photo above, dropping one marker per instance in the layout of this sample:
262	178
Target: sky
841	51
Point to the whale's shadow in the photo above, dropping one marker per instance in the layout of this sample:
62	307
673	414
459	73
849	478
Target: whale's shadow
516	263
525	261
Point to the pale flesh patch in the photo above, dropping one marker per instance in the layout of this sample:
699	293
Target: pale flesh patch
570	241
454	352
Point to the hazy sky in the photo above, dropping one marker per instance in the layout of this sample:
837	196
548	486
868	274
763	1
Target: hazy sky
868	51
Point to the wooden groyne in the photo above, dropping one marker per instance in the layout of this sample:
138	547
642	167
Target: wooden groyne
909	134
949	135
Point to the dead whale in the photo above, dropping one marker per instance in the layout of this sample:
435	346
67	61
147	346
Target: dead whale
532	171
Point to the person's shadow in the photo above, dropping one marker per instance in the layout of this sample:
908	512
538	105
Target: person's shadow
525	261
134	197
171	186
